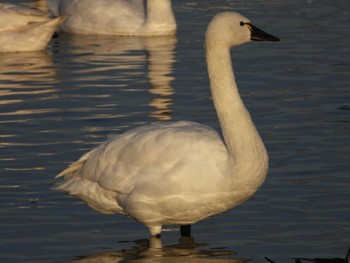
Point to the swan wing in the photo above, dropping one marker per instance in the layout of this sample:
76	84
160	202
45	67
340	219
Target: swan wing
11	8
153	158
32	37
13	17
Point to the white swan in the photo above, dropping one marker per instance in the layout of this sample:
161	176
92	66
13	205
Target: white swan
116	17
182	172
25	29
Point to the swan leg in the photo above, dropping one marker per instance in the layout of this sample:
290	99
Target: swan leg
185	230
155	231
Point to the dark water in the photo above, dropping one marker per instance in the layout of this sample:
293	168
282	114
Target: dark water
56	105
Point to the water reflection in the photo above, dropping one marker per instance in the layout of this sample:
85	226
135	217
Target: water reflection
127	55
25	74
153	251
159	69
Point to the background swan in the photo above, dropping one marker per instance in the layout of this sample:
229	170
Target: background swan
181	172
116	17
25	29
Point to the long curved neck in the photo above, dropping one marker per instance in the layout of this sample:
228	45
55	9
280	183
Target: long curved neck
159	14
241	137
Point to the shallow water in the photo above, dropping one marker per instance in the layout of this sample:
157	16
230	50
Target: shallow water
56	105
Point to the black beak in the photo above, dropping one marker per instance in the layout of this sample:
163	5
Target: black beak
259	35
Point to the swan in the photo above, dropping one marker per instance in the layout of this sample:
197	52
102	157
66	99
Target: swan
25	29
179	173
116	17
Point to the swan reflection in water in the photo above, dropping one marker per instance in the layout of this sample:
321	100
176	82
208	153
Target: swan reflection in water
153	251
25	74
185	251
128	56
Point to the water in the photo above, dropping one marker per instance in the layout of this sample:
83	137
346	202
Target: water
58	104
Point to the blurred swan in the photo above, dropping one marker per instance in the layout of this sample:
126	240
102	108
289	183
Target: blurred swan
41	5
25	29
179	173
116	17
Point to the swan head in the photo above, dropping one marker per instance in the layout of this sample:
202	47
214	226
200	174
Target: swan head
232	29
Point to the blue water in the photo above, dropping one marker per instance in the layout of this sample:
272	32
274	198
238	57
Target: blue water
56	105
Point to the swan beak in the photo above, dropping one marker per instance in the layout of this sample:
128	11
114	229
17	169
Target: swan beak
259	35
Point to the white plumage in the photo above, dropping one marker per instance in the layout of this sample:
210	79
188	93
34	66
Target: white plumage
116	17
25	29
181	172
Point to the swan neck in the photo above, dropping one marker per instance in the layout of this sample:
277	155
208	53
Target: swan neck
160	15
240	135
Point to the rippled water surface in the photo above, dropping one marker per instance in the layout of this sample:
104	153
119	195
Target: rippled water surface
56	105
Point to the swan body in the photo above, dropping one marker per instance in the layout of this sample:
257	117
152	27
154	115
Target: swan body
25	29
181	172
116	17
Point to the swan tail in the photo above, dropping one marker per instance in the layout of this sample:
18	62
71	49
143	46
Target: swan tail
76	166
91	192
71	169
71	175
48	27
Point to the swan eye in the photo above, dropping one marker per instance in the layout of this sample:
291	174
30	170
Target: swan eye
241	23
